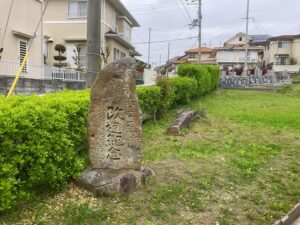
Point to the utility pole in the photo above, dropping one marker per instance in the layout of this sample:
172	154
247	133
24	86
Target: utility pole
169	46
160	59
93	41
168	57
149	46
247	37
200	30
198	23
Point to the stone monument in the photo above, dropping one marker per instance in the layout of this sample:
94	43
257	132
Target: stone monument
115	132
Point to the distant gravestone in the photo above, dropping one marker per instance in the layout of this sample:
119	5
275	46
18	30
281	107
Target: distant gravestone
115	132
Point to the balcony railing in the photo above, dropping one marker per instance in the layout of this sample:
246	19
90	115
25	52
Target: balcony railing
53	73
10	69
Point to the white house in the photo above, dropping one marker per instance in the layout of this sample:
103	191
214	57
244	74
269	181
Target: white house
283	53
232	54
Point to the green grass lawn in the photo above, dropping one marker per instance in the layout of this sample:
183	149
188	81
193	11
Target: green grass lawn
297	78
240	167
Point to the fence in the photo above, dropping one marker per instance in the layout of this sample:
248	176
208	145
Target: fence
10	69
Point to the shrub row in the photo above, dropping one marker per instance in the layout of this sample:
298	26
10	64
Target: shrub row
40	142
193	81
207	76
43	139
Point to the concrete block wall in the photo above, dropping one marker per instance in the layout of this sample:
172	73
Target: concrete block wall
30	86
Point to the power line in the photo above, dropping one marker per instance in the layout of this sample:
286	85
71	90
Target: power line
153	42
139	36
39	23
186	10
161	10
153	7
162	31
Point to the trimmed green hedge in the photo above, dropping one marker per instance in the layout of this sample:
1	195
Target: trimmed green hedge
207	76
40	142
43	139
178	90
150	99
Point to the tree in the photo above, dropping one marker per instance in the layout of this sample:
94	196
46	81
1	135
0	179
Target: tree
105	55
293	61
76	58
61	49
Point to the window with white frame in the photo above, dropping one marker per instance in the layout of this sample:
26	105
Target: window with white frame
127	31
282	60
123	55
23	47
45	46
77	54
77	8
116	54
283	44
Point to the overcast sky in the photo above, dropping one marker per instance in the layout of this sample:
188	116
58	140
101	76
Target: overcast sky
221	20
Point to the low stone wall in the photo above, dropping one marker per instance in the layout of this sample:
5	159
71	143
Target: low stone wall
31	86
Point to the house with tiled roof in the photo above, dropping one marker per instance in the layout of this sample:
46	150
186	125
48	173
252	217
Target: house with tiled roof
232	54
190	56
65	22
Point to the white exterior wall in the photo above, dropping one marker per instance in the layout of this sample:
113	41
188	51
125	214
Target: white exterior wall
296	50
149	77
290	68
23	21
292	49
236	56
67	31
236	40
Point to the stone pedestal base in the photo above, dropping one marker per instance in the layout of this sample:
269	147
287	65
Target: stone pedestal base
111	182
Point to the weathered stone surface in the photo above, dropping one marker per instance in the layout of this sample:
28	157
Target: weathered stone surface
111	182
115	122
182	121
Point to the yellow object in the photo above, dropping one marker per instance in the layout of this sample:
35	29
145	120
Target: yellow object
11	90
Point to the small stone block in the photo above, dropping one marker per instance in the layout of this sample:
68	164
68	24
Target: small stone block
111	182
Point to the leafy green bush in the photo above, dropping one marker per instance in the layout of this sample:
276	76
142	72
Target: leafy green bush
168	94
185	89
150	99
40	139
207	76
215	75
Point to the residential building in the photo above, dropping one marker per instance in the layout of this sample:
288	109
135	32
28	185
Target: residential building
172	66
232	54
283	53
65	22
22	30
190	56
241	39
